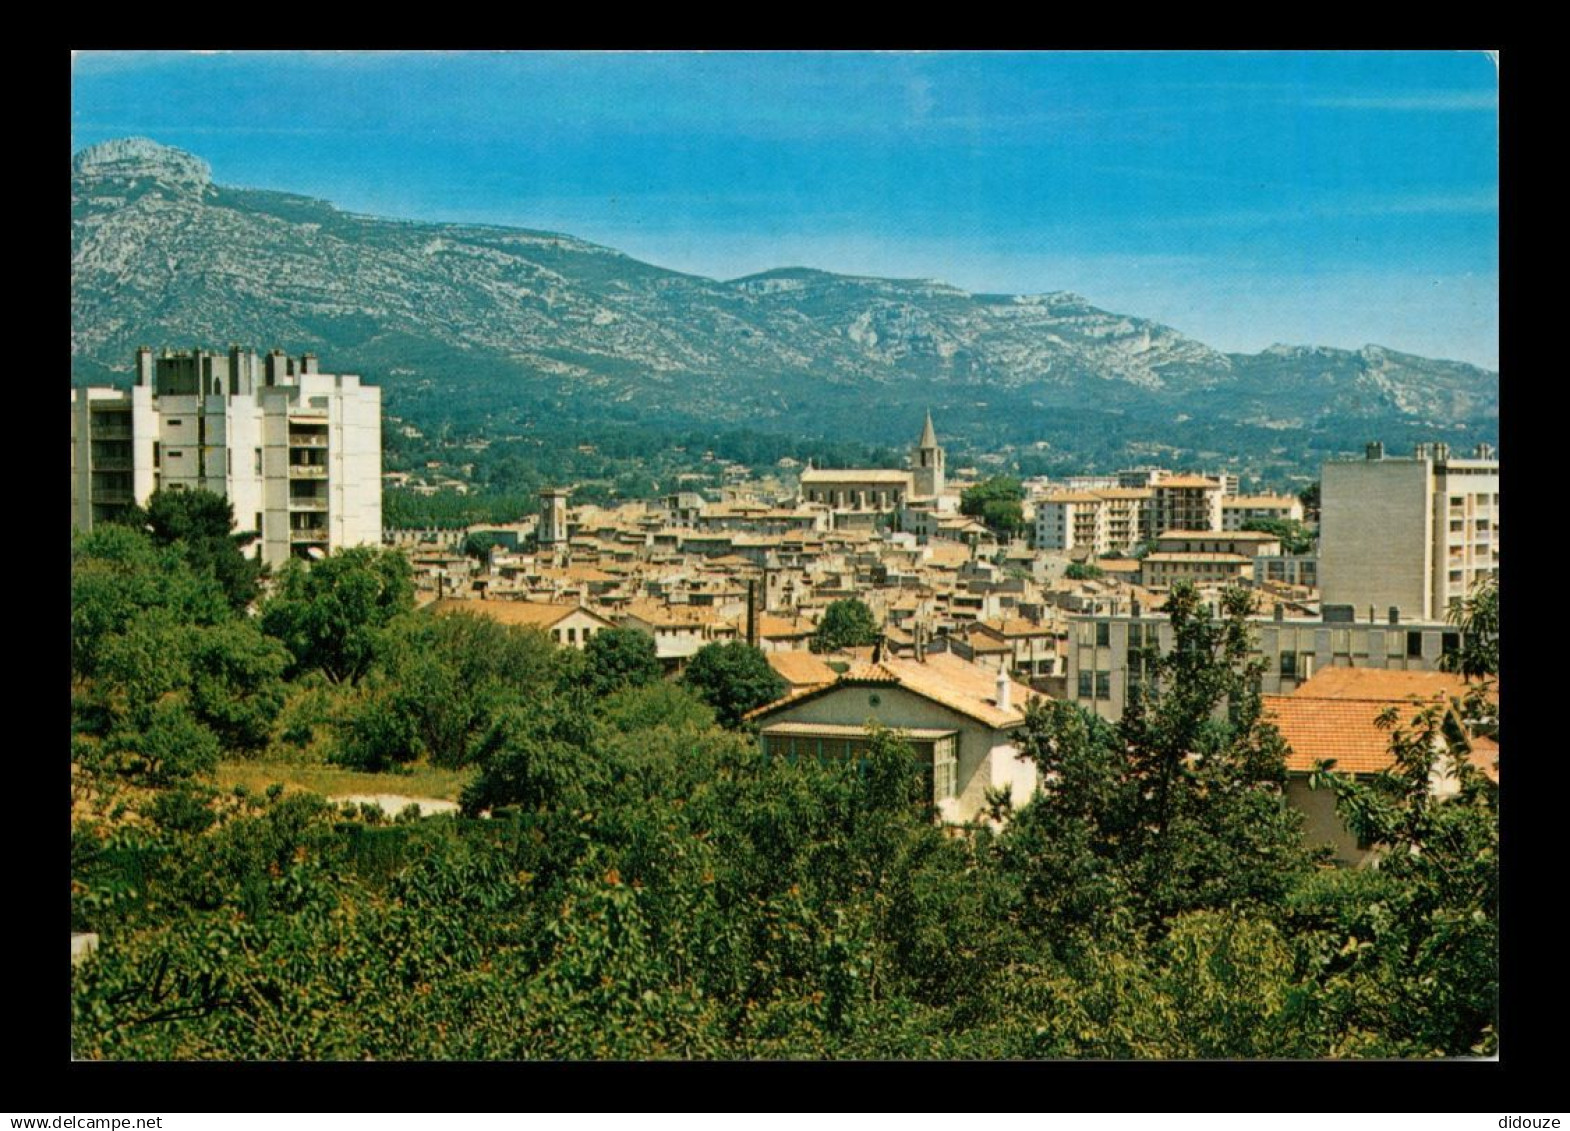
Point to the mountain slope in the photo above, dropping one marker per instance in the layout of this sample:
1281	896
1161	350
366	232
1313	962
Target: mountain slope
506	322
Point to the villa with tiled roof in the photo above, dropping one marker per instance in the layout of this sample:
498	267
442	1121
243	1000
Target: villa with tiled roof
961	719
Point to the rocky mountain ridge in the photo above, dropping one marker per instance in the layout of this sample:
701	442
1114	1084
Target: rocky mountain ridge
444	313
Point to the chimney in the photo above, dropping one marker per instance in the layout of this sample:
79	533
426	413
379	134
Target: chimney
1376	450
144	365
1003	689
752	613
1441	452
1484	451
1280	613
1422	451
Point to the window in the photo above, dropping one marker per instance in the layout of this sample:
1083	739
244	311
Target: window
945	770
1288	664
1450	643
174	424
1103	685
572	636
1414	645
1085	684
158	452
258	523
258	461
1103	634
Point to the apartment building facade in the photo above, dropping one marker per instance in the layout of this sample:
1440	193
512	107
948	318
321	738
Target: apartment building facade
1411	533
1108	662
297	452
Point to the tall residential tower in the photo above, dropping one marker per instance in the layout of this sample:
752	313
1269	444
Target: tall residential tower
297	452
1411	534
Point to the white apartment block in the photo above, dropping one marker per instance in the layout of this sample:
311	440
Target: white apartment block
1412	534
1185	502
1107	664
1102	521
1239	509
297	452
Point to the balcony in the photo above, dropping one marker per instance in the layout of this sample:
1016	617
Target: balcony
307	439
114	496
307	503
113	463
110	431
307	471
307	534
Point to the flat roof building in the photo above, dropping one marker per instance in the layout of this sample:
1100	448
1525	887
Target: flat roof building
1412	534
297	452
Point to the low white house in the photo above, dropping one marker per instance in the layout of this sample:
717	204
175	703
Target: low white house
960	718
571	626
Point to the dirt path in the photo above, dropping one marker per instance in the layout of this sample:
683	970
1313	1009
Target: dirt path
394	803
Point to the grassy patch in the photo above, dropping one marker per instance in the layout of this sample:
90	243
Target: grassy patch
334	781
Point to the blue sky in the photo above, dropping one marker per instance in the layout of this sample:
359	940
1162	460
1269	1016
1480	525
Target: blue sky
1330	198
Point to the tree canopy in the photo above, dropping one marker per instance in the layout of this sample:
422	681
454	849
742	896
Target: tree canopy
327	613
998	502
202	523
733	678
846	623
1296	538
617	658
1477	615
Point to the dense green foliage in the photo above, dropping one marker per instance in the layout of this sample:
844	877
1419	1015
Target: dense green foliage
1309	497
999	502
327	614
733	679
1082	571
649	885
616	658
1296	538
202	523
846	623
1477	615
1419	974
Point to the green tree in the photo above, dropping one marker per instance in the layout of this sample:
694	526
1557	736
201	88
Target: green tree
617	658
117	575
1418	974
202	524
1309	497
1296	538
999	502
1477	615
1082	571
236	683
1179	807
328	613
733	678
846	623
479	546
450	675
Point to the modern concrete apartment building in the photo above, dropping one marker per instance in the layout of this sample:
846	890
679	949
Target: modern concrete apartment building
297	452
1105	664
1185	502
1102	521
1411	534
